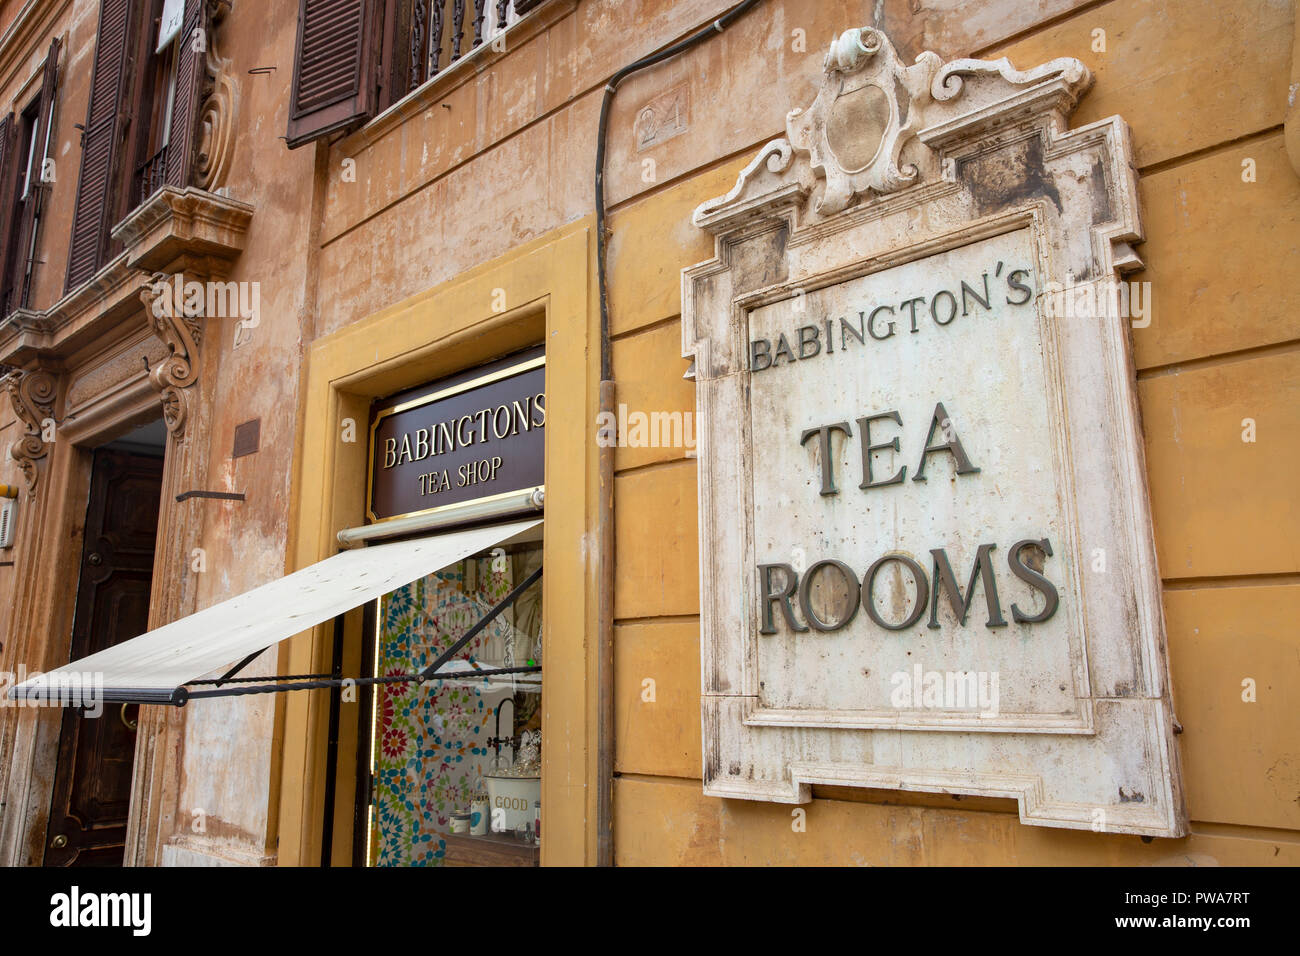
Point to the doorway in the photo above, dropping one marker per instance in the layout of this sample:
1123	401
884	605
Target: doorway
92	780
434	334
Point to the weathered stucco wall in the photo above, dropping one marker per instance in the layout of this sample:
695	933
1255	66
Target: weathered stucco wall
501	152
1220	348
229	745
507	154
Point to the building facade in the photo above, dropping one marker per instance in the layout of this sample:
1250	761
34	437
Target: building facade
236	236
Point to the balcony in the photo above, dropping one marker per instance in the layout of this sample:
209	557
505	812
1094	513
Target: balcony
149	177
439	33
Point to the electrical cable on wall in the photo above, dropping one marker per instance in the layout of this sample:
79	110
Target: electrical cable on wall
605	547
715	28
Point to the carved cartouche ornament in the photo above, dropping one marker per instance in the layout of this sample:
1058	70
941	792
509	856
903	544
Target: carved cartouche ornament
870	107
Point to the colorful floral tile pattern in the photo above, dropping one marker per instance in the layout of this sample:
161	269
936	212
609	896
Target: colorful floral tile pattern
431	740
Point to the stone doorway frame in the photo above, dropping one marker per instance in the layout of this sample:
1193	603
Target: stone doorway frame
112	354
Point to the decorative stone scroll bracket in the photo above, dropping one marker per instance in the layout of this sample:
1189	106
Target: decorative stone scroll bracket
181	332
32	393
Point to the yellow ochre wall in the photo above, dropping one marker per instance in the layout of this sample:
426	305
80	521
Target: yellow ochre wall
472	171
1203	85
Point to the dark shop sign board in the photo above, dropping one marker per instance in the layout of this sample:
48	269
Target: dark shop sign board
927	559
478	436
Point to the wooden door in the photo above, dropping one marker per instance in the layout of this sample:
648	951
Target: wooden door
92	784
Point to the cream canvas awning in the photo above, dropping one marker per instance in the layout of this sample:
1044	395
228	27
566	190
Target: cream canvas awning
155	667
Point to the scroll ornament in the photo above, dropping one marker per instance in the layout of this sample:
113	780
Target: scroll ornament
870	107
182	334
220	109
32	393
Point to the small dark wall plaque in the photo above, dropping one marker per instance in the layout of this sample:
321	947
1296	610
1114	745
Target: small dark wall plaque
247	438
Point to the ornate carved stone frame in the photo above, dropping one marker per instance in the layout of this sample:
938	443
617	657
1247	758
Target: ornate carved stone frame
893	164
57	476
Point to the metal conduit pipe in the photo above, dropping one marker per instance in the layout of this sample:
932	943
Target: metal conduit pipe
605	514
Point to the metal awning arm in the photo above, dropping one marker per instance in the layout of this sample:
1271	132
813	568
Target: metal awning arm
183	694
483	622
238	667
323	681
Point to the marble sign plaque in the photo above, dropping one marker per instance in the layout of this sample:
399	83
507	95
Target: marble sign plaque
959	331
927	559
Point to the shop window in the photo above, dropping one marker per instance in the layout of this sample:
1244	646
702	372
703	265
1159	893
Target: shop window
454	765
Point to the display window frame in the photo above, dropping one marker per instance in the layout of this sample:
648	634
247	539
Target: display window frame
548	286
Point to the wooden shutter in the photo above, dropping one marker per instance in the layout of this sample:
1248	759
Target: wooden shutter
101	143
333	67
35	201
190	65
8	178
49	84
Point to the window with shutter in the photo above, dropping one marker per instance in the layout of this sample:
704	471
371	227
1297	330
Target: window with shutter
142	124
8	175
356	58
100	143
26	196
182	125
334	67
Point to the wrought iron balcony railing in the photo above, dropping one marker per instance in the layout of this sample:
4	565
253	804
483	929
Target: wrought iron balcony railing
441	32
149	176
